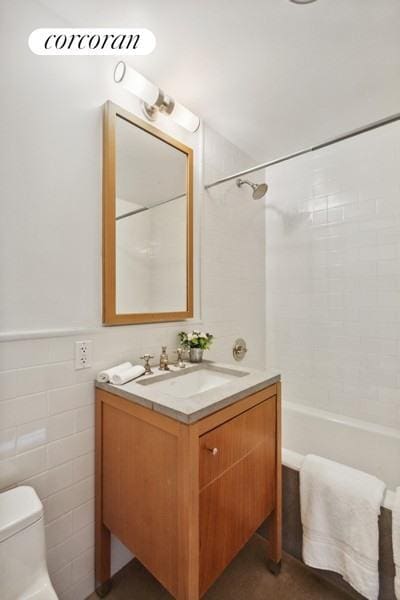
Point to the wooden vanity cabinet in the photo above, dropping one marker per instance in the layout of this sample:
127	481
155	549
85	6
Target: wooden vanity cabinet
185	498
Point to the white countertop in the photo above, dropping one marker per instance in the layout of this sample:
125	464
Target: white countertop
197	406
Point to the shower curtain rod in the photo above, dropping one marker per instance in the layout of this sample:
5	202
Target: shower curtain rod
143	208
340	138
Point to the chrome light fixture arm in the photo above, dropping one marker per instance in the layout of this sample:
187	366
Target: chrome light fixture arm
164	104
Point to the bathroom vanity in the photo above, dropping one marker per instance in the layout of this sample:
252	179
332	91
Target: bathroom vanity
188	466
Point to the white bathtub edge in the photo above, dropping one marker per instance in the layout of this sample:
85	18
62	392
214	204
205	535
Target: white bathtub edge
342	419
294	460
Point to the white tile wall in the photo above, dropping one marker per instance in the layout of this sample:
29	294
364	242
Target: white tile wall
47	437
333	277
47	408
233	255
47	217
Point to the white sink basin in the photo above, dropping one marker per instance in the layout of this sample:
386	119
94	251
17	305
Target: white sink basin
190	383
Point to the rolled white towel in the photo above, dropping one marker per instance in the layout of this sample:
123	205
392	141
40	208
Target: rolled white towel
396	541
105	376
127	375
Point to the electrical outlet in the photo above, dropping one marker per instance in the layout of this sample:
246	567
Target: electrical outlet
83	354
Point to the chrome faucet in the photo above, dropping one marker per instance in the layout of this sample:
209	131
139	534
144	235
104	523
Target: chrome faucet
147	367
164	359
179	362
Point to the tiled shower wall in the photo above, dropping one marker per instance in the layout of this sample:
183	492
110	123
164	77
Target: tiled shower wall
232	255
333	277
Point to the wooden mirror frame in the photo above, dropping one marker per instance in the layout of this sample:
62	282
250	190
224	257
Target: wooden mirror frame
110	316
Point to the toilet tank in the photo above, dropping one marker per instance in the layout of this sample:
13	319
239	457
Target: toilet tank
23	569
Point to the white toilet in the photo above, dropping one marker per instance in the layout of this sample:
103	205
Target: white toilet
23	571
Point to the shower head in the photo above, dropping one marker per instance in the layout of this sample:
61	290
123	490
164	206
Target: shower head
259	189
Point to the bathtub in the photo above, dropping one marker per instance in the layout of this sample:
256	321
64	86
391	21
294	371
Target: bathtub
371	448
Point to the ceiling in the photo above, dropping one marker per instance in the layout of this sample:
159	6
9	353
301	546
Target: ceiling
269	75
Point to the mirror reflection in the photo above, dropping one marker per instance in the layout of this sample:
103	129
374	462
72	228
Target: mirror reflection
150	222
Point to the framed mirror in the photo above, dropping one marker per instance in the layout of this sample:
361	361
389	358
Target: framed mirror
147	222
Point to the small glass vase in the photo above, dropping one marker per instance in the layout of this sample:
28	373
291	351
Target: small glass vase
196	355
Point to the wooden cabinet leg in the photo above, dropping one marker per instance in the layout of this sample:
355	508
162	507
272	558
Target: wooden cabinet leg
188	515
274	567
274	553
104	589
103	560
275	521
188	595
102	533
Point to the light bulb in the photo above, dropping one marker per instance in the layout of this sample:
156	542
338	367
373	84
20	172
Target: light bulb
155	100
185	118
135	83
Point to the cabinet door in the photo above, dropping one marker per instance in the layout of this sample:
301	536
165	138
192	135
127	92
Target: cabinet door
230	441
234	504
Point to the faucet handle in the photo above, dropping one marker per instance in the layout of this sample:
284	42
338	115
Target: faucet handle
179	362
147	367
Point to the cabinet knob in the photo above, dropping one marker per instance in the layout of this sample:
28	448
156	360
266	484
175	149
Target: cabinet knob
213	451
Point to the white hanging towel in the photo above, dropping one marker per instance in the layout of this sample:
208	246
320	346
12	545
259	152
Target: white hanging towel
396	541
105	376
340	507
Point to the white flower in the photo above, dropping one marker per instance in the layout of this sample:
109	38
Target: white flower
203	335
190	337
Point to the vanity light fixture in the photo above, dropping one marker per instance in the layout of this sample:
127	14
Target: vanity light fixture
154	100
